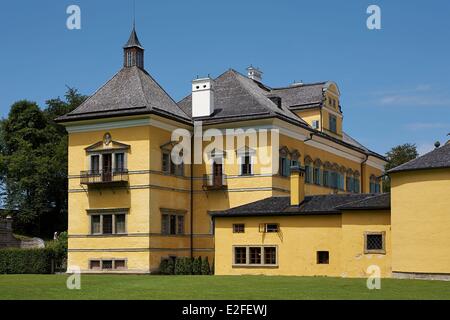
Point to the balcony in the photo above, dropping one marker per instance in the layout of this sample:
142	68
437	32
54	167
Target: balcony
214	182
104	178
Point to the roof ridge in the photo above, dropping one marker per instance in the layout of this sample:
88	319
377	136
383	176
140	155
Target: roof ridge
157	83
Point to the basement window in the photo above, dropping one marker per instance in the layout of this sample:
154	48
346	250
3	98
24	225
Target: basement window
323	257
374	242
110	264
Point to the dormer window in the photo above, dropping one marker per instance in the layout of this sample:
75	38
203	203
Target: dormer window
333	123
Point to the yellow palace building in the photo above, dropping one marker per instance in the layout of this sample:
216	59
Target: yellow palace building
314	209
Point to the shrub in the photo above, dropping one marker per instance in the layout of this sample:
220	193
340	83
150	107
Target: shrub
205	267
59	248
179	266
163	267
26	261
197	266
171	267
188	266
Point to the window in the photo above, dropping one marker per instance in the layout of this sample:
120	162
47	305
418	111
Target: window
108	224
120	223
349	184
323	257
172	224
374	185
333	123
107	264
95	265
315	124
95	164
95	225
316	176
269	228
255	256
169	167
239	228
285	170
334	180
356	185
240	255
374	242
246	165
119	162
326	178
270	255
308	173
110	264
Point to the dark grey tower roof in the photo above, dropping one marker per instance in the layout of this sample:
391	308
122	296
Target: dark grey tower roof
133	41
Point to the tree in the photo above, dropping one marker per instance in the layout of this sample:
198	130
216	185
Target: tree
397	156
33	164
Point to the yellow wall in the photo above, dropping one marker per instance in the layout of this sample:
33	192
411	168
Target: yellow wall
150	190
420	221
300	238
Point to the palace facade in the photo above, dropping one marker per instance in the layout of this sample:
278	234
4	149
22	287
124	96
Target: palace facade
315	210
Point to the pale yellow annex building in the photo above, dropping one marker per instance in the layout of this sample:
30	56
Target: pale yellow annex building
314	209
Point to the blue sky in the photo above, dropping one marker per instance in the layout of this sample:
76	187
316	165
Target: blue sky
395	82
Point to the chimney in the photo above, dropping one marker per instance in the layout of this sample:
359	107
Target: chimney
202	97
297	185
254	73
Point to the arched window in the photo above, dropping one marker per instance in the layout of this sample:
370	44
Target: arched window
374	184
295	156
341	178
317	174
308	169
356	182
326	174
349	183
284	169
334	183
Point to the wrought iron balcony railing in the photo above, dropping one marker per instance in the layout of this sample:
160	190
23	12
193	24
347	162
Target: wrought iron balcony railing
104	177
215	182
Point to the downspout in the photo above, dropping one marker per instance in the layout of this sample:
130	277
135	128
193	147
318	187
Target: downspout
362	174
192	198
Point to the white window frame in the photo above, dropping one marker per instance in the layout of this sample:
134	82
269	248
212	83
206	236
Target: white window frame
247	260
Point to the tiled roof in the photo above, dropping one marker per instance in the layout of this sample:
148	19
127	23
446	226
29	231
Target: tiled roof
301	96
319	204
131	91
240	98
438	158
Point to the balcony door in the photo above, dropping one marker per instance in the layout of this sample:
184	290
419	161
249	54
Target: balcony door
217	173
107	167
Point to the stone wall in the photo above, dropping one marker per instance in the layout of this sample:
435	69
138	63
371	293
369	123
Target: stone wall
7	240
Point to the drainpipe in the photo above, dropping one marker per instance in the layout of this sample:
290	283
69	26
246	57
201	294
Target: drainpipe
362	174
192	197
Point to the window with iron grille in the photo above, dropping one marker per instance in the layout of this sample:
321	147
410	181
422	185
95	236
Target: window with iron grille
238	228
374	242
323	257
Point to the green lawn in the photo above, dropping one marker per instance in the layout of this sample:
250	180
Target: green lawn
220	288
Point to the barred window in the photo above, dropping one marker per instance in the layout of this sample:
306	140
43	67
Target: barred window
374	242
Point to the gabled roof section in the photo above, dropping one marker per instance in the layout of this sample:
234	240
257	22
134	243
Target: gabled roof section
301	96
100	146
240	98
312	205
131	91
436	159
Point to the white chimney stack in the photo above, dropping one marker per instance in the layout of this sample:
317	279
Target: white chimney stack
202	97
254	73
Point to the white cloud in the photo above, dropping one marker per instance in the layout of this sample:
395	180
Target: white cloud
422	95
417	126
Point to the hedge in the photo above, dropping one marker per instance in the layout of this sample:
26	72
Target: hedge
26	261
185	266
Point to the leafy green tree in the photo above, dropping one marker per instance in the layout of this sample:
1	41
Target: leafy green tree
33	164
397	156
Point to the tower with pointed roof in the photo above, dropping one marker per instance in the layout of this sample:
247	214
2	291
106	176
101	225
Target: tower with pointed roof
133	51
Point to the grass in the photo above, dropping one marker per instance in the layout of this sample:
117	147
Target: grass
118	287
